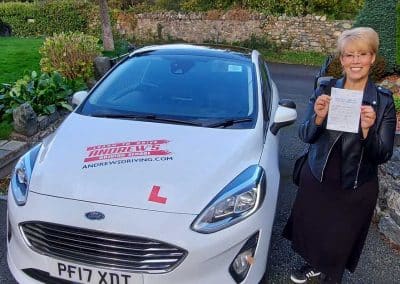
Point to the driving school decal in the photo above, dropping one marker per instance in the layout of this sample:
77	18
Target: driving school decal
126	153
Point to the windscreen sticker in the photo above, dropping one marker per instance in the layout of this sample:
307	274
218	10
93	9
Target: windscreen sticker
126	152
235	68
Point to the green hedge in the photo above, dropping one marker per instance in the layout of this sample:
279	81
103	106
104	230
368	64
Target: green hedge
336	9
381	16
398	37
42	19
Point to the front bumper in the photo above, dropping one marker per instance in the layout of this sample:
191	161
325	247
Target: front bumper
209	255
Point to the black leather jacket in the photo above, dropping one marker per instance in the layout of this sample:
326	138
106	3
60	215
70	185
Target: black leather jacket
360	157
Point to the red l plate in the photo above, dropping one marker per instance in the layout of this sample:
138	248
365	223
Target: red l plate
154	197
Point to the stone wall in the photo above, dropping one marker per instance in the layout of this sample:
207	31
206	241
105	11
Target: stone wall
388	206
310	33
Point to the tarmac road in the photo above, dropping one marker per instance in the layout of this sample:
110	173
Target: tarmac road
379	264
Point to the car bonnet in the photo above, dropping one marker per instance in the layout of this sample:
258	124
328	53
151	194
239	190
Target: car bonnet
143	165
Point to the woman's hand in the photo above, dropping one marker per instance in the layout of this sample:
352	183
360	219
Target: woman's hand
321	108
368	117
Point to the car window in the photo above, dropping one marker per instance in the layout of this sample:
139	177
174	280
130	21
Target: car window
266	89
199	87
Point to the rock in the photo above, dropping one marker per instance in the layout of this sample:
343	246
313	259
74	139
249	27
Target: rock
337	33
64	112
393	202
54	116
101	65
388	205
397	137
393	169
390	229
346	26
43	122
396	155
25	120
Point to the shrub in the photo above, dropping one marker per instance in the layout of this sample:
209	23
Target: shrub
144	7
398	37
194	6
206	5
6	129
381	15
337	9
122	4
43	18
45	93
71	54
291	7
377	71
397	102
169	5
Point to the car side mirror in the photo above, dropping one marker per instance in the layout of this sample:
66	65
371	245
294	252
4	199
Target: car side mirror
285	115
78	98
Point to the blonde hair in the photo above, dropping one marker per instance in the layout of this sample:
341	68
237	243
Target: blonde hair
362	34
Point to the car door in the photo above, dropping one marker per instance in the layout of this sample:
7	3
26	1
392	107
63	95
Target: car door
270	156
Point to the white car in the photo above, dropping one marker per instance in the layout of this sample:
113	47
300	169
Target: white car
166	172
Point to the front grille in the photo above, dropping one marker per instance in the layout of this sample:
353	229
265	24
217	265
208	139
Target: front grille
102	249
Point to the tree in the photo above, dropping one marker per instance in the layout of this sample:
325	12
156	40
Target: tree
108	40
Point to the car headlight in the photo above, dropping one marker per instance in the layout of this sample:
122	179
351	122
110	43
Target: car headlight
237	201
22	175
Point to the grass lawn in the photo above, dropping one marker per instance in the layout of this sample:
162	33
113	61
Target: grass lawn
18	55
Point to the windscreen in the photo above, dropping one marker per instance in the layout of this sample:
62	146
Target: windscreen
195	87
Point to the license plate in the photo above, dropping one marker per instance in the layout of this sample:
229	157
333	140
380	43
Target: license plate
91	275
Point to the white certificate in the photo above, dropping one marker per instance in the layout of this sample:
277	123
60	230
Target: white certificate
344	110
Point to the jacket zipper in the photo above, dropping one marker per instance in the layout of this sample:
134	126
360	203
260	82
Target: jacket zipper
327	157
358	169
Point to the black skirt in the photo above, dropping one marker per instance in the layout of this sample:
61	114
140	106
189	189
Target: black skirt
328	224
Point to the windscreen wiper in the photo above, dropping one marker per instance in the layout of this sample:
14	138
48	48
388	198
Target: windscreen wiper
229	122
146	117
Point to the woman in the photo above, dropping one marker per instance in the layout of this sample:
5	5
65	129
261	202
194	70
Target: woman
338	184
